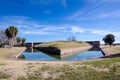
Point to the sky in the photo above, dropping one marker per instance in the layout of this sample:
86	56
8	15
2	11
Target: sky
50	20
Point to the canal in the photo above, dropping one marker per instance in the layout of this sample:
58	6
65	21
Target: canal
32	54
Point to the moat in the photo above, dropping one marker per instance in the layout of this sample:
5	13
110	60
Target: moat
33	54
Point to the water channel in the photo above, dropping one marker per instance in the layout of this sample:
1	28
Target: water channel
32	54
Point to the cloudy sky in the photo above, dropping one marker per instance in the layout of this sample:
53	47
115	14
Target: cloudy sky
49	20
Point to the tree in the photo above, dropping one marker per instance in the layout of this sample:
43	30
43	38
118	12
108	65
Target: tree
109	39
23	41
3	37
11	33
19	41
72	38
105	40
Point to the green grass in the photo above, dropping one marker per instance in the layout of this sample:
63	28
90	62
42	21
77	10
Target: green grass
100	63
63	44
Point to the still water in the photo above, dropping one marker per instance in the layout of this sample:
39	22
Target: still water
32	54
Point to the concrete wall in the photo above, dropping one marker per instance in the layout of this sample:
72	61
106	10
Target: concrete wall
94	43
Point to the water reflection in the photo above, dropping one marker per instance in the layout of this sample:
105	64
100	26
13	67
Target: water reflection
29	49
33	54
94	49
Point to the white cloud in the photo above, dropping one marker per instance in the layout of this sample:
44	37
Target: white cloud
105	32
34	32
100	32
48	2
31	27
28	26
96	9
75	29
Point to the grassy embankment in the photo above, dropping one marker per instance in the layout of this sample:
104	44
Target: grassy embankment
63	44
6	53
113	51
63	48
103	69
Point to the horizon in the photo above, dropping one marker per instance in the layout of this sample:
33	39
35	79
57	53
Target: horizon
51	20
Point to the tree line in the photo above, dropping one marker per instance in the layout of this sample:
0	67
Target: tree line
11	33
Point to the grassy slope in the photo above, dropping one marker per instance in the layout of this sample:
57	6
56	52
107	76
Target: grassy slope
5	53
112	50
63	44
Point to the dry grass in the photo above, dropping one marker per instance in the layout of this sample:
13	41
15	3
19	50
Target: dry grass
63	44
5	53
87	70
112	50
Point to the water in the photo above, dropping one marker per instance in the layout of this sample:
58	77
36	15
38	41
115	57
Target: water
37	55
86	55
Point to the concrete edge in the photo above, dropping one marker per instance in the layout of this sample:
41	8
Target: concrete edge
17	54
106	52
67	53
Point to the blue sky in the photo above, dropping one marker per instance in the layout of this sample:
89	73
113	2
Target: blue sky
49	20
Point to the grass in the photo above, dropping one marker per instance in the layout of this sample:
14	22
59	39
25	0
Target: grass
103	69
113	49
100	63
76	71
5	53
63	44
4	75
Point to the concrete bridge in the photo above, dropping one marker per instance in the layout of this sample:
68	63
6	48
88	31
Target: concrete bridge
94	43
32	44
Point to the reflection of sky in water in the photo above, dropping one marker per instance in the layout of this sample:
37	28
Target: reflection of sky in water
79	56
37	56
86	55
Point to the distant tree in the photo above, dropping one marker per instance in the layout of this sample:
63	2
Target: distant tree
23	41
11	33
109	39
72	38
3	37
105	40
19	41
